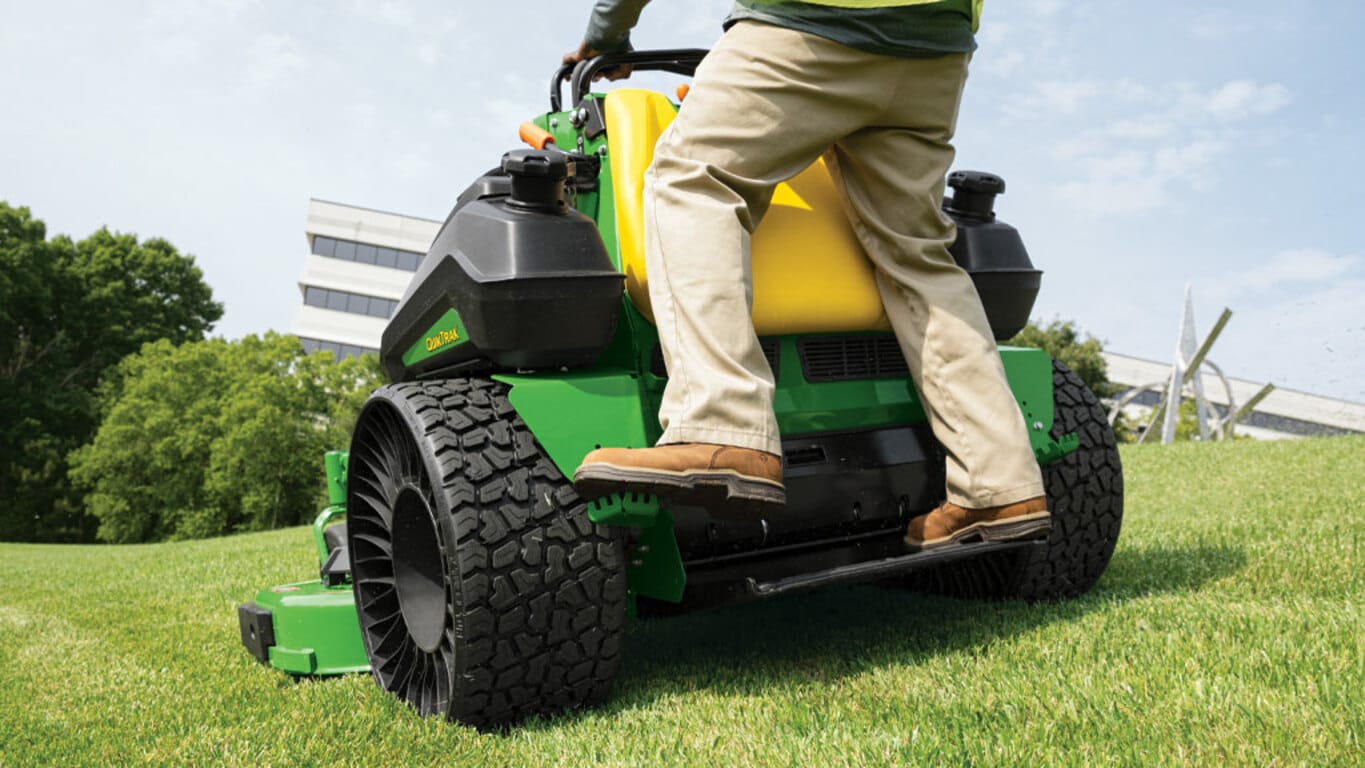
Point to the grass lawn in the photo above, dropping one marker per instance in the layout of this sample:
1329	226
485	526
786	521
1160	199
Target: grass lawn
1229	628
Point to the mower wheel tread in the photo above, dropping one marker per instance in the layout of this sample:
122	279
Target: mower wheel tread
537	592
1085	497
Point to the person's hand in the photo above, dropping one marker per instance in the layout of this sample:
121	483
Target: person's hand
585	52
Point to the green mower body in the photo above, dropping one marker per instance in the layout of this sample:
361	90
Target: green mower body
486	589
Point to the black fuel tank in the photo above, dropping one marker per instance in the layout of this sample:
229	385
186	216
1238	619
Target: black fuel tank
528	276
992	252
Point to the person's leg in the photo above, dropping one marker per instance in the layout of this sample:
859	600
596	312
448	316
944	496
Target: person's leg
765	103
892	179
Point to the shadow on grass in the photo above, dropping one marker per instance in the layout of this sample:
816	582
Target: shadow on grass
829	634
1158	570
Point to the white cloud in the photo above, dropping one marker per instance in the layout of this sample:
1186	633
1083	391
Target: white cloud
232	8
1013	41
1298	266
1129	147
429	54
1134	92
273	58
1080	146
993	35
1243	98
1227	23
1104	196
413	162
1064	96
1141	127
396	13
1187	162
1044	8
179	14
504	115
1136	180
361	111
180	33
1001	65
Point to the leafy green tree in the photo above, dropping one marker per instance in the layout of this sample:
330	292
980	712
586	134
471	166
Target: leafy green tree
215	437
68	312
29	453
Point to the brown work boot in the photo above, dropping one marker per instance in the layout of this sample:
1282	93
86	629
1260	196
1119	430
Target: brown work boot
951	524
719	477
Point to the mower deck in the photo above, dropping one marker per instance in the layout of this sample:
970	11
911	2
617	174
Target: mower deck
308	628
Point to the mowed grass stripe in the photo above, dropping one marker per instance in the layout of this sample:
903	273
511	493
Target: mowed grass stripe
1228	629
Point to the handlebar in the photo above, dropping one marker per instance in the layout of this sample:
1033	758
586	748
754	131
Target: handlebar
679	61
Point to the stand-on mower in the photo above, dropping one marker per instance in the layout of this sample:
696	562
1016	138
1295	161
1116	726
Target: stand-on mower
470	577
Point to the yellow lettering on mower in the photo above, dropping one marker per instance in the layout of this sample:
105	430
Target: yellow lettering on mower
441	339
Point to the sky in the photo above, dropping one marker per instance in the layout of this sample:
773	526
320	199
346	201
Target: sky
1147	146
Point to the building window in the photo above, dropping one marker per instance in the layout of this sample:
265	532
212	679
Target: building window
381	307
338	350
349	250
354	303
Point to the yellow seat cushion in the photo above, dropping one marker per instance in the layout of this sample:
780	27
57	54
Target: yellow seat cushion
810	272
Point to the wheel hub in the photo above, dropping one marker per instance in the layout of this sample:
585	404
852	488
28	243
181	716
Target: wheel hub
418	574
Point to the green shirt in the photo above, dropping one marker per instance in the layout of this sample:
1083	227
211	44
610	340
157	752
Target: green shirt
913	30
922	30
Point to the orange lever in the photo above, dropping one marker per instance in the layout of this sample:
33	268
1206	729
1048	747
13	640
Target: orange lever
535	135
682	91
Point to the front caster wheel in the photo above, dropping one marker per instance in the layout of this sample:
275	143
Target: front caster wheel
484	593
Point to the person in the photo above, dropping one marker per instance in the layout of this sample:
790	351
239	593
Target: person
874	87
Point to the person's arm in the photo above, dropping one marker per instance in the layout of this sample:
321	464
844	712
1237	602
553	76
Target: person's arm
608	32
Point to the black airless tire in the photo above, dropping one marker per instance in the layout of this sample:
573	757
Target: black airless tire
1085	496
484	592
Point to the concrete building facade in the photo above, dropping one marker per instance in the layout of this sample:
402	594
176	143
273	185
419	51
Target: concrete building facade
358	265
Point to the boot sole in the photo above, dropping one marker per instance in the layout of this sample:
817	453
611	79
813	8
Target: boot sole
720	491
1031	526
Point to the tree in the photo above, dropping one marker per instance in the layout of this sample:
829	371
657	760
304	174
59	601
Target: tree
68	312
214	437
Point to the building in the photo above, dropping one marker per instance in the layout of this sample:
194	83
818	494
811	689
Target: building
361	260
358	266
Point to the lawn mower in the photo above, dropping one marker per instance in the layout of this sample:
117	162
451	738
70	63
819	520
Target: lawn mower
473	581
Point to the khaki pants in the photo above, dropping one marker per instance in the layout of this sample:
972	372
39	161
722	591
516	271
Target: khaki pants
766	103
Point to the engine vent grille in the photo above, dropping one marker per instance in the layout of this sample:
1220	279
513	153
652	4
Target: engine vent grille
844	358
769	346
